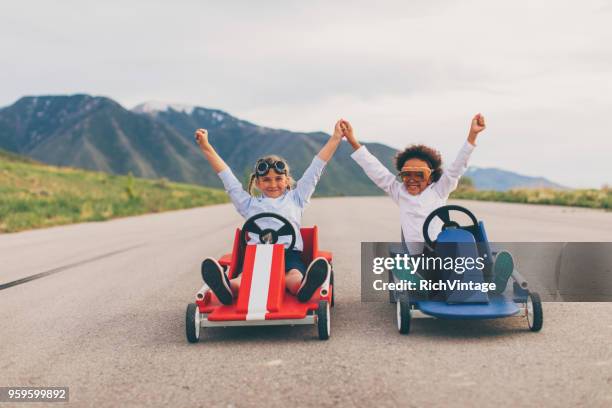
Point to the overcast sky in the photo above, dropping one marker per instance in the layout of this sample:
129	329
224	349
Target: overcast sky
402	72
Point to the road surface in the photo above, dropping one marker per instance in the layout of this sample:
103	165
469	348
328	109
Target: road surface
106	318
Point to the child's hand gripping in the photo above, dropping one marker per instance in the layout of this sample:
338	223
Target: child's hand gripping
477	126
338	132
347	132
332	144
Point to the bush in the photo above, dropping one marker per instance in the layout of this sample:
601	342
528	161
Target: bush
589	198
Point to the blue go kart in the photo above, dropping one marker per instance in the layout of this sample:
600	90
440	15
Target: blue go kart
510	297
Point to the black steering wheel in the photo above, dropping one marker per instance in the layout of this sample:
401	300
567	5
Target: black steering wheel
444	214
268	235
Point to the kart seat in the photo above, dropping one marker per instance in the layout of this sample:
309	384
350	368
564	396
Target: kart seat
458	243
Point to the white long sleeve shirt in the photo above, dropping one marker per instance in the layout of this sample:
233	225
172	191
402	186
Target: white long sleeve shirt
290	205
414	209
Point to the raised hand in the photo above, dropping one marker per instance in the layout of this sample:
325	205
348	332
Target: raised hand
216	162
337	135
478	123
328	150
477	126
347	132
201	137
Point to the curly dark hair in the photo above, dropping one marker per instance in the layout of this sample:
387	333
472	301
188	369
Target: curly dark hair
425	153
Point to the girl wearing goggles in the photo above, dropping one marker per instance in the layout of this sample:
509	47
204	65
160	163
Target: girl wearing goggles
424	186
280	195
263	166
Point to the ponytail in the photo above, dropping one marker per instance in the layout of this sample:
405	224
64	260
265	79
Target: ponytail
251	189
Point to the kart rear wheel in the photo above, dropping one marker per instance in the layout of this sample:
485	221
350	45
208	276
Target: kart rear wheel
392	298
192	323
323	320
403	316
535	314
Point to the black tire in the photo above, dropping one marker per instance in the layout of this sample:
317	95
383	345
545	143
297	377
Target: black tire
392	298
403	316
535	317
192	325
331	283
323	320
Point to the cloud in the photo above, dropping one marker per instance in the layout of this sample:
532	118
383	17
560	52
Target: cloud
402	71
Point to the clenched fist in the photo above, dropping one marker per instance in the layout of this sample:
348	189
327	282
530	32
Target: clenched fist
201	137
478	124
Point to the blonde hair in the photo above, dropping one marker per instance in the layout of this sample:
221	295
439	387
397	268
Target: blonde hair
253	190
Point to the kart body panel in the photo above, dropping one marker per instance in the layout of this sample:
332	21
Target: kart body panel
497	307
470	241
262	295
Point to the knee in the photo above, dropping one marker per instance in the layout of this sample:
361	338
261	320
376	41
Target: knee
294	274
293	280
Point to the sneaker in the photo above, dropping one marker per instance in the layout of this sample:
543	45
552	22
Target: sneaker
217	281
502	270
315	276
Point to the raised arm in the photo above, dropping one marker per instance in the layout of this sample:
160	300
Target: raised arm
451	175
240	198
478	125
216	162
328	150
306	184
373	168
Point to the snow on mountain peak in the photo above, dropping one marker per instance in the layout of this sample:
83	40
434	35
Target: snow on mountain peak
155	107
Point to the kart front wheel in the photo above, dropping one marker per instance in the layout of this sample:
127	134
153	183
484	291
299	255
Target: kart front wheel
192	323
323	320
331	282
535	314
403	316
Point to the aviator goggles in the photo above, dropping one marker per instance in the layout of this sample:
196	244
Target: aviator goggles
262	167
415	173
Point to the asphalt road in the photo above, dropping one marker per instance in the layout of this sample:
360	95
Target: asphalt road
107	320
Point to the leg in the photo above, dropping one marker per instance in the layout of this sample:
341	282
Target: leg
214	276
293	280
315	275
235	285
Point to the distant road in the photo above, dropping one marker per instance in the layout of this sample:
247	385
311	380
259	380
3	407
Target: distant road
104	315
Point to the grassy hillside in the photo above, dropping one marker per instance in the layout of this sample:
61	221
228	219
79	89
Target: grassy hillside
98	134
34	195
590	198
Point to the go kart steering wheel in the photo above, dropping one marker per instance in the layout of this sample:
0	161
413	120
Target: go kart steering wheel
444	214
268	235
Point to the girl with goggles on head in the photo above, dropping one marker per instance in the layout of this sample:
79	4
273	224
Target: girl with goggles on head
281	195
422	186
262	167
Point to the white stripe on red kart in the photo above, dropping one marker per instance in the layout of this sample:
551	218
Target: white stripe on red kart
260	283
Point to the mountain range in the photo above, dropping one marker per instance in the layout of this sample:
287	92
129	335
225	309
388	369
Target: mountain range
156	140
503	180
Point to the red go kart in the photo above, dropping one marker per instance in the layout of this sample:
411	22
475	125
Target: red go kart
262	299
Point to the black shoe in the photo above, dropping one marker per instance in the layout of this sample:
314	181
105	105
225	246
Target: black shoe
315	276
217	281
502	268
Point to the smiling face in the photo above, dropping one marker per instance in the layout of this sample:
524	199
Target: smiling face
415	184
273	184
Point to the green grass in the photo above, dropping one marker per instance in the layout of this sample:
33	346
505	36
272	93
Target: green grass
34	195
590	198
